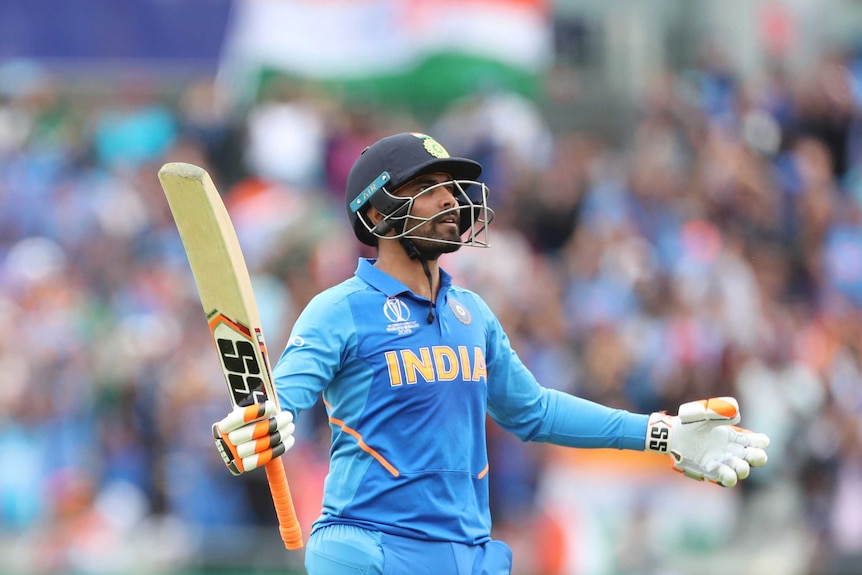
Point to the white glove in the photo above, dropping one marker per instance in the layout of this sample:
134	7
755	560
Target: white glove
250	437
704	442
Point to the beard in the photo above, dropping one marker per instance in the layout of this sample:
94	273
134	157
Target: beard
432	250
431	243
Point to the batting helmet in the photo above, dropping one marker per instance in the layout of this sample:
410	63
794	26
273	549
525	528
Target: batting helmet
395	160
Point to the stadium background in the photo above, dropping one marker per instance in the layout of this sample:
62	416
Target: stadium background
678	193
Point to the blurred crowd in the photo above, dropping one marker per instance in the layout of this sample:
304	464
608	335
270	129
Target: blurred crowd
716	249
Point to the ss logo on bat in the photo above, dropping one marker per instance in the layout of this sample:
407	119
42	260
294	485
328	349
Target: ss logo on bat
240	363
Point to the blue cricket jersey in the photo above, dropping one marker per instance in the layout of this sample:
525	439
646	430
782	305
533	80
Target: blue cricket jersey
407	401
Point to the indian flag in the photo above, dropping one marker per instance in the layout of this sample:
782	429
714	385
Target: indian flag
418	51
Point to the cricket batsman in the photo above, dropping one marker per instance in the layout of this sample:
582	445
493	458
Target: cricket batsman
409	364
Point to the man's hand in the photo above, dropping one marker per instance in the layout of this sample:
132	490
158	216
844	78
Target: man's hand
705	443
250	437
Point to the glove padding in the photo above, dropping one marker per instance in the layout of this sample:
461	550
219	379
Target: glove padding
704	442
250	437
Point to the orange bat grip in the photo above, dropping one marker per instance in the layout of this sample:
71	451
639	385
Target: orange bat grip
288	524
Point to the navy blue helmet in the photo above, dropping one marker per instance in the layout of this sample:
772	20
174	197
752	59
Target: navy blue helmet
395	160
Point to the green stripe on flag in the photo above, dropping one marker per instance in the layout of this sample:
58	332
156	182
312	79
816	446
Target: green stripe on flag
435	82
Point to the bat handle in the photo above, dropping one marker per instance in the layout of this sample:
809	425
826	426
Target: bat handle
288	524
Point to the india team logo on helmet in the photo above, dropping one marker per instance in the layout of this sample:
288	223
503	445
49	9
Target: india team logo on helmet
433	146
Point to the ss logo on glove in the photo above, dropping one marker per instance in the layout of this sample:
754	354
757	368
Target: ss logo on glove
658	441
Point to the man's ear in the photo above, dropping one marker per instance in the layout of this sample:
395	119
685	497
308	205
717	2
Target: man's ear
374	216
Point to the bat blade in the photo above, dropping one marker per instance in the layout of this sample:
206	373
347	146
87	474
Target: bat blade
227	297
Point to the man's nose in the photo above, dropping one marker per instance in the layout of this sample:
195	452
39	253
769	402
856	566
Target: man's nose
446	195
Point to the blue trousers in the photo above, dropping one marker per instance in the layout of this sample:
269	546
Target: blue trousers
349	550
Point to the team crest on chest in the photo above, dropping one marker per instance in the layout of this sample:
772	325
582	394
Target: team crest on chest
461	312
398	314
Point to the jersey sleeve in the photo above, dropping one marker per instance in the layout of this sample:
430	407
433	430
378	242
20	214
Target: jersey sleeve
519	404
321	338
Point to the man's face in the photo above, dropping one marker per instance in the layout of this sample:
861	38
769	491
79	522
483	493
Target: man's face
431	200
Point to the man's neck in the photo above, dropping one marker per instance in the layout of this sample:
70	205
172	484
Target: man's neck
393	260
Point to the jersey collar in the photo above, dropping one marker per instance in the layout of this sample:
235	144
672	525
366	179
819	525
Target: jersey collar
388	285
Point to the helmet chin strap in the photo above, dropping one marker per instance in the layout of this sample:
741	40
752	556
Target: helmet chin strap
414	254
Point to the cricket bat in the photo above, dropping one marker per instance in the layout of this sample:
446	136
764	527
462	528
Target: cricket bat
225	290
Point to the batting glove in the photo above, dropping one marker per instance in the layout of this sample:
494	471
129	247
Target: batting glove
704	442
250	437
